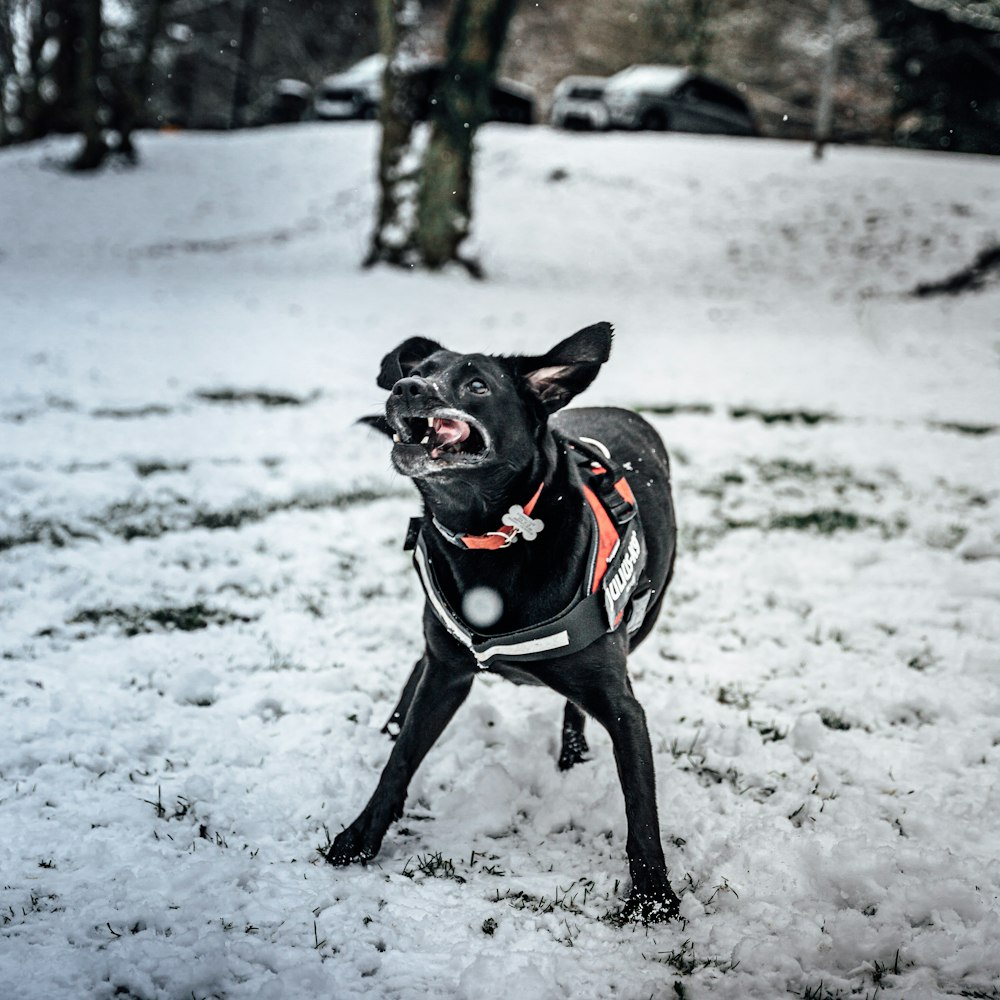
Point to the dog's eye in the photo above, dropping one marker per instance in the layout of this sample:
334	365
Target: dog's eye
478	386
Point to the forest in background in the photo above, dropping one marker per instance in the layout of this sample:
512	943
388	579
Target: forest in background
922	73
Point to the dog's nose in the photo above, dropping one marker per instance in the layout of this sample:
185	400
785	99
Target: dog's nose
410	387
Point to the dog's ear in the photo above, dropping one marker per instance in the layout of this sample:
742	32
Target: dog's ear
376	422
398	363
556	377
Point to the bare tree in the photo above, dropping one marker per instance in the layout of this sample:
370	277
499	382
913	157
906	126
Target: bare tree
95	149
136	92
828	81
425	207
392	238
8	70
244	54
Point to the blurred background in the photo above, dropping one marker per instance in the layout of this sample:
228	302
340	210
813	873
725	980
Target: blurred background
920	73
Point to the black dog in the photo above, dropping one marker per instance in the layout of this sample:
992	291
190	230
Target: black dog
563	606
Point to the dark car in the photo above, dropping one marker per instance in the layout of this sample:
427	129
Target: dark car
288	101
675	98
357	93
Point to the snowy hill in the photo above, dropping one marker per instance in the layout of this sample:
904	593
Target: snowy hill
206	614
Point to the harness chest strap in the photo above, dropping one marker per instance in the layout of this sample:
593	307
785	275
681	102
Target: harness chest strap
614	581
569	632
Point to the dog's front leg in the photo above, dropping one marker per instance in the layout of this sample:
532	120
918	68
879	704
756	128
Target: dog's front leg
440	690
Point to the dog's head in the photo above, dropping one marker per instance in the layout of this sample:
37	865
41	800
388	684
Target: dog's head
479	414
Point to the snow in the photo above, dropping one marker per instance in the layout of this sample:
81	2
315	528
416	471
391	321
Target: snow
206	615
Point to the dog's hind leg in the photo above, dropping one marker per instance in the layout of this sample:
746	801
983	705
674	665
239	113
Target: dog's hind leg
440	690
574	744
598	683
395	722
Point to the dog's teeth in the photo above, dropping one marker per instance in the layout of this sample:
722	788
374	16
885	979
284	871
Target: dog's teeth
430	421
396	438
426	439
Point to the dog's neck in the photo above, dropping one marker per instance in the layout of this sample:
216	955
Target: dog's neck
476	505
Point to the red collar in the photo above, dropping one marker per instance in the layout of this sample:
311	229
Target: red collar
517	521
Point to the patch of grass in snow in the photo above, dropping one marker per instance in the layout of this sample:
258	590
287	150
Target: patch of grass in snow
183	809
684	960
733	694
676	409
923	659
970	430
433	865
52	402
146	469
807	418
154	518
801	496
29	534
819	992
695	762
840	477
769	731
37	902
260	397
132	412
138	621
981	272
830	520
570	900
879	972
832	720
820	521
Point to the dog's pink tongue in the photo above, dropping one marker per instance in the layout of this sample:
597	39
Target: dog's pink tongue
450	431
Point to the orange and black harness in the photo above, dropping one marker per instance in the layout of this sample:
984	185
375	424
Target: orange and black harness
614	590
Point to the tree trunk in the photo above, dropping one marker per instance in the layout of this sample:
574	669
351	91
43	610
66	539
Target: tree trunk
88	95
137	89
241	89
8	74
828	81
425	194
476	34
392	239
32	112
700	28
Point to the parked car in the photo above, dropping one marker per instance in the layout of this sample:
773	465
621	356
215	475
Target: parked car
672	97
288	101
357	93
578	103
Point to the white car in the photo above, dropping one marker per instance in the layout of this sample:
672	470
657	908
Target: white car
355	93
578	103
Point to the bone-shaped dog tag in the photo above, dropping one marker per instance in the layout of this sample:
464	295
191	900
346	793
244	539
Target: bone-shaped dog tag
524	524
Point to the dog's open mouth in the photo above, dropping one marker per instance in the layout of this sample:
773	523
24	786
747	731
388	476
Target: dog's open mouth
446	436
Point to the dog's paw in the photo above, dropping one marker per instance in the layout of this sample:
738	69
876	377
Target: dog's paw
574	750
347	849
650	907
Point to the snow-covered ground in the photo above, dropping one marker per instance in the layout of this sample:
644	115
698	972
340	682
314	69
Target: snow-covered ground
206	615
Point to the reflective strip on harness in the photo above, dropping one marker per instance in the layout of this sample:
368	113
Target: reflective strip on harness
545	644
433	593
